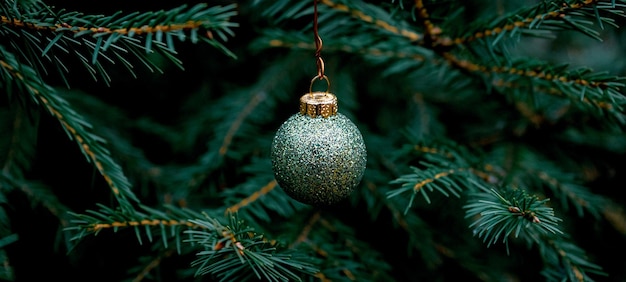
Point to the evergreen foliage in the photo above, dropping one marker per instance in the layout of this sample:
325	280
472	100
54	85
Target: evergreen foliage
135	140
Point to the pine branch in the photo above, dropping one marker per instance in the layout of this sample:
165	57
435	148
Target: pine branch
515	213
231	250
542	20
371	14
429	179
606	93
403	56
259	197
141	221
237	253
493	223
446	169
597	93
371	19
253	198
25	80
96	39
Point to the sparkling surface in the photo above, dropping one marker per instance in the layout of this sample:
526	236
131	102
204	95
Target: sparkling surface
318	161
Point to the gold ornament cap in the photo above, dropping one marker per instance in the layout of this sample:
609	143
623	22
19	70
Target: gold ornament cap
314	104
318	104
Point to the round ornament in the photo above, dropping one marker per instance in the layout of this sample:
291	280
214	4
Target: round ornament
318	155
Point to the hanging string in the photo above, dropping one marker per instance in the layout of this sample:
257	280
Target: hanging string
318	44
318	52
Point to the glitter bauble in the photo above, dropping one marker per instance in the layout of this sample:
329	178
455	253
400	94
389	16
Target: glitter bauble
318	155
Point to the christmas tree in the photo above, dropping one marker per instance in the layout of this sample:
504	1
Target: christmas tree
135	141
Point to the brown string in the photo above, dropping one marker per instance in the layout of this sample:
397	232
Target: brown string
318	44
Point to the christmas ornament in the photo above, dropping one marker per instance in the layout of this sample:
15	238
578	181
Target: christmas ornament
318	155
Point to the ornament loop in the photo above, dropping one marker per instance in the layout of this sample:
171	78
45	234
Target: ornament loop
320	77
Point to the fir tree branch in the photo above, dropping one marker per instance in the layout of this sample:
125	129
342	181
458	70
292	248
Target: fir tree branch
96	228
25	79
445	152
515	214
382	21
238	248
348	39
427	180
546	16
352	47
500	83
252	198
144	220
593	92
442	163
254	203
237	253
431	32
112	38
